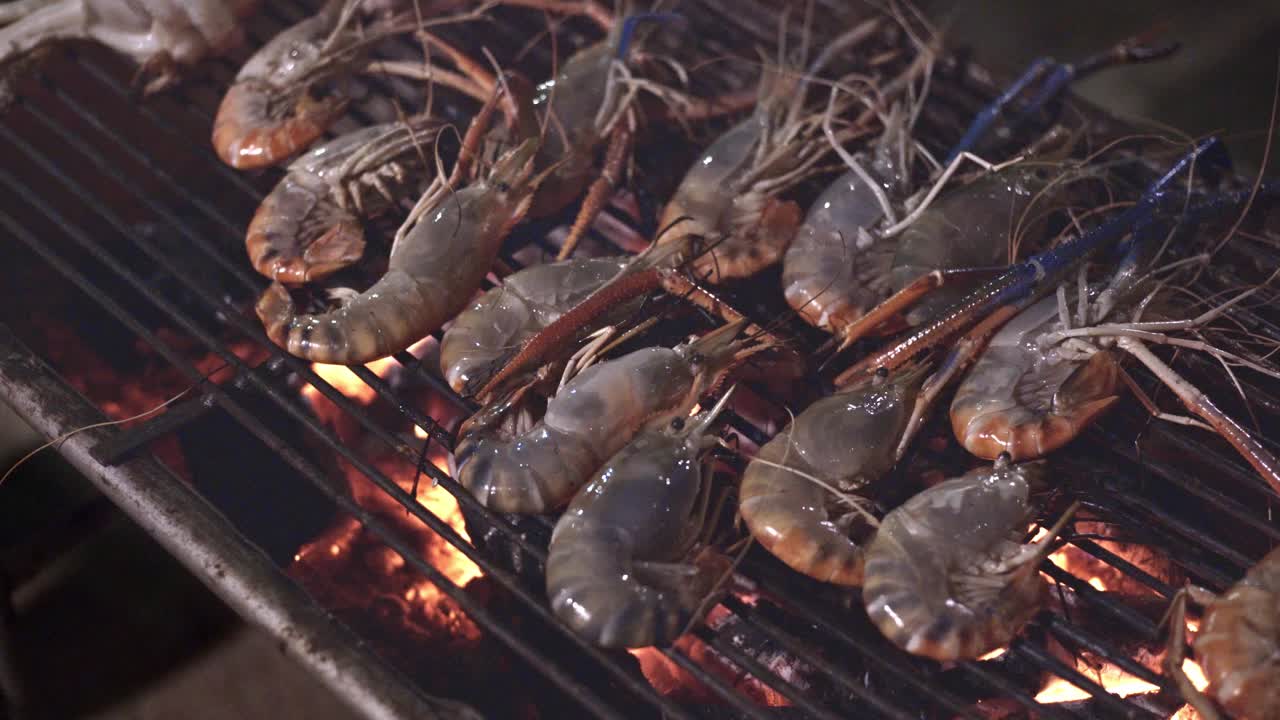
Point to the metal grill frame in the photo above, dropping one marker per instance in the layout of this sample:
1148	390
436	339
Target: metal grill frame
240	574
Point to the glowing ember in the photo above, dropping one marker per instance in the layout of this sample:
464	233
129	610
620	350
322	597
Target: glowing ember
346	382
423	598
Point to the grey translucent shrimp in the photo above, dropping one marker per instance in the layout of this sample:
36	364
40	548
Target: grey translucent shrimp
797	493
729	198
512	467
1237	645
1047	375
489	332
161	35
309	225
971	227
583	103
439	258
947	576
623	569
835	270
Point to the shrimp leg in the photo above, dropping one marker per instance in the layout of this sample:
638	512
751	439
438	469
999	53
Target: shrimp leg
1199	404
601	190
1176	653
1033	276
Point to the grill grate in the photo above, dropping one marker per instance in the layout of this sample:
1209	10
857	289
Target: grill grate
60	211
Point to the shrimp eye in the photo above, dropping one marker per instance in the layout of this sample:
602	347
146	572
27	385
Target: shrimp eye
502	187
696	358
677	424
882	372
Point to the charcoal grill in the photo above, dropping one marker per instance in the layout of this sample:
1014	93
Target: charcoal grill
102	191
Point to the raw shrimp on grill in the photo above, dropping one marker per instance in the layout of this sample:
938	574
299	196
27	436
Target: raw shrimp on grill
946	574
272	111
624	568
438	259
729	198
1237	645
797	494
309	225
485	335
1048	373
857	264
511	465
590	103
162	35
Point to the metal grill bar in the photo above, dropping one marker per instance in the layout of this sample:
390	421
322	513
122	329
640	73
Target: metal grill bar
476	611
828	617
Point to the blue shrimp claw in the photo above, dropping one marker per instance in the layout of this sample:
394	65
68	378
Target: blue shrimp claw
631	22
1129	51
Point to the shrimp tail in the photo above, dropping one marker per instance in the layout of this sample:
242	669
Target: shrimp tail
273	250
989	432
247	135
277	310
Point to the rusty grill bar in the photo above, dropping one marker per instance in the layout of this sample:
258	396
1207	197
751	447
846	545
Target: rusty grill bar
866	676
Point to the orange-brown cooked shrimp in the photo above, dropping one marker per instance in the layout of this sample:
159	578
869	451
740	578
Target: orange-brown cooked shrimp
1238	645
309	225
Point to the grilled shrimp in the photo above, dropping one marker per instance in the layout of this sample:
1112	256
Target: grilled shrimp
156	33
269	113
592	417
1052	370
946	576
621	570
1027	400
835	270
729	197
970	227
309	226
439	258
795	492
485	335
1238	645
583	103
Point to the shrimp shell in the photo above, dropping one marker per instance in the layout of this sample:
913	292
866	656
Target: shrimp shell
305	229
830	275
432	272
592	417
267	114
616	570
942	577
484	336
966	228
1238	640
1028	401
846	440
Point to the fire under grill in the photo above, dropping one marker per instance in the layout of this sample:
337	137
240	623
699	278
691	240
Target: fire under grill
130	234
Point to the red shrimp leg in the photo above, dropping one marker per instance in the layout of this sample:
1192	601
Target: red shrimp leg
1199	404
601	190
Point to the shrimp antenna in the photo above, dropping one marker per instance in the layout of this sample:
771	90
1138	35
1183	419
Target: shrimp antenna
630	24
